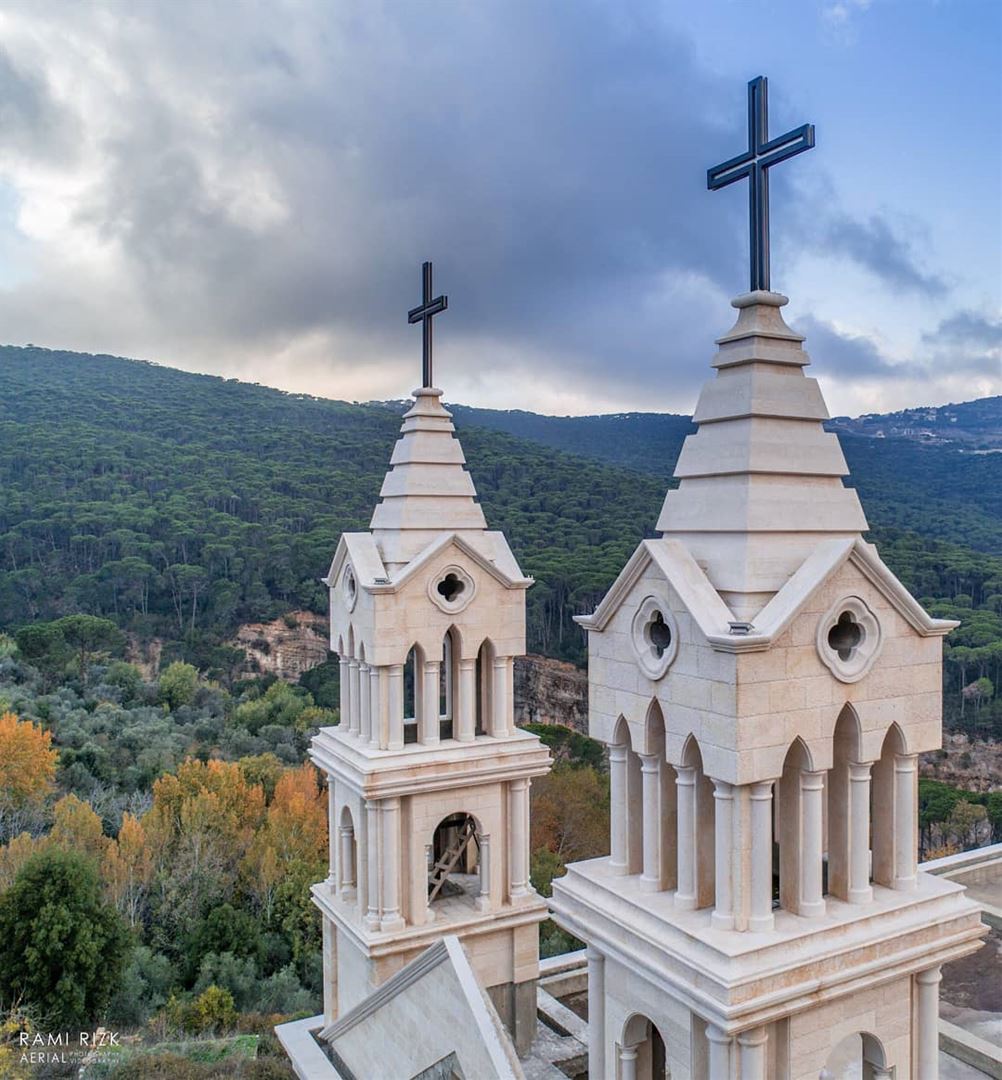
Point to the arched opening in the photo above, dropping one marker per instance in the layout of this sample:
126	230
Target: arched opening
642	1051
659	825
859	1056
448	683
696	819
800	829
626	799
485	688
413	693
895	813
347	855
458	863
848	806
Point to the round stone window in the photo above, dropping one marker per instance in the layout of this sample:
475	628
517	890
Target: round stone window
655	637
849	639
349	588
452	589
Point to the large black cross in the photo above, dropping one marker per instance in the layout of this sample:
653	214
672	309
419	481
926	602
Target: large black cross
423	314
761	155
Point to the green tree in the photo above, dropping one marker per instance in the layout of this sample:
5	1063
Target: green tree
62	946
178	685
89	637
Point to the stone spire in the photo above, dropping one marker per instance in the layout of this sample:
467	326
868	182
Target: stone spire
426	492
760	482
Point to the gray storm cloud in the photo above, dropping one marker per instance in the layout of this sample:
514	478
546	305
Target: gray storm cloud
250	188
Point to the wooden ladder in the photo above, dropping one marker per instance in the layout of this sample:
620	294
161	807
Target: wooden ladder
450	858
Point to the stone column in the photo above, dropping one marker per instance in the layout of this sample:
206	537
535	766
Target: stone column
364	704
650	767
500	725
905	838
331	833
428	729
927	1024
723	837
719	1056
395	706
596	1014
344	687
377	735
751	1053
518	837
429	863
373	860
628	1063
353	715
389	855
812	901
484	899
685	785
464	715
760	917
860	890
330	971
346	837
617	809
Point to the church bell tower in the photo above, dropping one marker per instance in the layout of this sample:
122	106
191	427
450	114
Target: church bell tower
764	684
428	777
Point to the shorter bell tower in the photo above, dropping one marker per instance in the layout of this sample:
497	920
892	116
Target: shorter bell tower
428	776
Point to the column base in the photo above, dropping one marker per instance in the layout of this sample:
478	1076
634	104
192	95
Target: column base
761	924
905	884
649	884
685	903
619	869
521	895
394	922
860	896
484	904
721	922
814	910
371	922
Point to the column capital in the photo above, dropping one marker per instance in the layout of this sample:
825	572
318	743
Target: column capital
617	752
905	762
650	763
859	771
930	977
753	1036
761	791
390	803
685	775
812	781
717	1035
592	955
723	789
521	783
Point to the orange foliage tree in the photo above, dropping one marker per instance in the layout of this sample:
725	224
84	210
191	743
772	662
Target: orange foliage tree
27	763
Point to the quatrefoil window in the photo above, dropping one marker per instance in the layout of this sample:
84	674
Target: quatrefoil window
655	637
452	589
349	588
659	634
849	639
846	635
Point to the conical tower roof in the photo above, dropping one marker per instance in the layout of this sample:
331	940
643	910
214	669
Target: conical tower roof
427	491
760	482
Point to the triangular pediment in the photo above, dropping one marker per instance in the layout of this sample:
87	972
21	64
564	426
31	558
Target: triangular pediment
715	619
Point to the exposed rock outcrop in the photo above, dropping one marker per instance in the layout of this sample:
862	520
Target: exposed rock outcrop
550	692
286	646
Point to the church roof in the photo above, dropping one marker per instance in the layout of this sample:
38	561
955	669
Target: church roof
427	491
715	618
760	482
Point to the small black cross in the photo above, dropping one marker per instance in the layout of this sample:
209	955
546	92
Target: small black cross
761	155
423	314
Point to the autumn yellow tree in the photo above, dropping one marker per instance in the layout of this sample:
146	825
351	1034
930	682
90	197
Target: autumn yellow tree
27	763
127	869
76	827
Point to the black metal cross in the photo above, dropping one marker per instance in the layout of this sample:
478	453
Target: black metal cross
423	314
761	155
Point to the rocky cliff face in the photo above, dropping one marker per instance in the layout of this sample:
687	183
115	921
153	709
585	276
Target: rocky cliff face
285	647
550	692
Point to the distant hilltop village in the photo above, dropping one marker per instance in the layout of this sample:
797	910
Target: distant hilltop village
973	426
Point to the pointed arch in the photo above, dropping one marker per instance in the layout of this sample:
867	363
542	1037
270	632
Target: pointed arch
654	728
413	695
696	826
895	818
799	825
659	805
351	642
691	754
485	687
347	855
848	806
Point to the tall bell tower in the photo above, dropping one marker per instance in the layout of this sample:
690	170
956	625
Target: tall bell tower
765	685
428	777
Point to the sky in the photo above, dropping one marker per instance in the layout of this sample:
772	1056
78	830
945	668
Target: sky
249	187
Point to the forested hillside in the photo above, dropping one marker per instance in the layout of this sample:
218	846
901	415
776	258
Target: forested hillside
181	505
